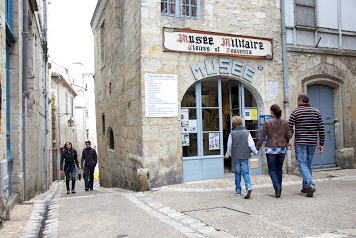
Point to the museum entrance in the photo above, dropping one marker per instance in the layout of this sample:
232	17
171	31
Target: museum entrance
206	112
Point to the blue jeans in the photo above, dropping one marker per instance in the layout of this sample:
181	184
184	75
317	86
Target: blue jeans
89	176
67	176
304	155
275	165
241	168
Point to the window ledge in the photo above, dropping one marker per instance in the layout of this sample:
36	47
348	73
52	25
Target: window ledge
328	51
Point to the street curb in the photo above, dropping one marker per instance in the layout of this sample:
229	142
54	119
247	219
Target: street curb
36	219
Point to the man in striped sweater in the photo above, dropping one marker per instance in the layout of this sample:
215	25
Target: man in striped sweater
308	124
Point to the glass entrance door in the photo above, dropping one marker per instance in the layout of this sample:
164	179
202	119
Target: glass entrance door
244	103
204	128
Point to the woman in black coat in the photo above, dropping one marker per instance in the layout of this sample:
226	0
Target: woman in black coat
69	155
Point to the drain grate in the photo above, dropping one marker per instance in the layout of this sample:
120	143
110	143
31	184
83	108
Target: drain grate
215	213
25	203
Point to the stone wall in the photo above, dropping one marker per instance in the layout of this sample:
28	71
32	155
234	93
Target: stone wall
3	104
306	68
118	93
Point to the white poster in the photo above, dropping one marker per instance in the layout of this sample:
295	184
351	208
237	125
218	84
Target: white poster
193	125
185	139
273	88
184	120
214	141
161	95
247	114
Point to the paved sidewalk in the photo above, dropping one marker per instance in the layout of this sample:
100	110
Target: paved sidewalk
210	208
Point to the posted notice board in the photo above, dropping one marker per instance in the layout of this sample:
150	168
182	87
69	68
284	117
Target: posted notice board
161	95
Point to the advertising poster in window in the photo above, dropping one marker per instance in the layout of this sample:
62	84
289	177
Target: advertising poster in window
247	114
193	125
214	141
161	95
185	140
184	120
254	114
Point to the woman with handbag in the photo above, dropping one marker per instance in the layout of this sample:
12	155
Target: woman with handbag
69	155
278	135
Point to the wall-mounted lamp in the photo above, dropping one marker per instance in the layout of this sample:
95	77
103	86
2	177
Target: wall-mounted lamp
70	123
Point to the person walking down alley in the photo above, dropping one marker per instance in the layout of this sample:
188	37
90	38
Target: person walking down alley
90	159
278	135
70	158
308	124
239	146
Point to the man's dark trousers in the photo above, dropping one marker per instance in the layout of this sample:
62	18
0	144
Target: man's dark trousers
88	181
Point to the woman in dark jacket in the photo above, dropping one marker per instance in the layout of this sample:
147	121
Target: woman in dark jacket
69	155
278	135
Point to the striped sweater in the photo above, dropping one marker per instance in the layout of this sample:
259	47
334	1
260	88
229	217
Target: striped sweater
308	122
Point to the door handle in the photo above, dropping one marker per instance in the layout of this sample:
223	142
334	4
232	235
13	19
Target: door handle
328	131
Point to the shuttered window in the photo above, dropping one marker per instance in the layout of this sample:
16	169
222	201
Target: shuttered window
305	13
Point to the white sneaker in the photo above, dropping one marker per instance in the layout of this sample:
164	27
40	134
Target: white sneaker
238	194
248	193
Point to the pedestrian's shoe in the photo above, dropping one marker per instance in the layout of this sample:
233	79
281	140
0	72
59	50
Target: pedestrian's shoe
91	188
278	192
68	192
304	190
311	190
86	189
248	193
73	191
238	194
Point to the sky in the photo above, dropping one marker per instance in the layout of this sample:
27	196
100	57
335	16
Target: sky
70	38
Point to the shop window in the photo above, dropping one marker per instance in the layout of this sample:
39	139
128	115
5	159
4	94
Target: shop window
188	9
206	109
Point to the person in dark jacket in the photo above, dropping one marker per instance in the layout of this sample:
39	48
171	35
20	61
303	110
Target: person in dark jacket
278	135
91	159
69	156
239	146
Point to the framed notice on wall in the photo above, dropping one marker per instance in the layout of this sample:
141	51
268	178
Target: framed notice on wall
161	95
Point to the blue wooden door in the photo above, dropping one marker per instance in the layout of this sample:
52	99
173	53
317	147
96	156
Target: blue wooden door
322	98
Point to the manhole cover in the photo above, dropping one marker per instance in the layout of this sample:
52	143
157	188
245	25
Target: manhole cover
214	213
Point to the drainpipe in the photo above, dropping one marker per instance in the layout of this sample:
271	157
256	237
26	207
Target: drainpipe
59	132
25	87
285	77
46	86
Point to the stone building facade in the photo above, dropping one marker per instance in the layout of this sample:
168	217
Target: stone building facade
28	163
132	49
62	110
83	84
321	51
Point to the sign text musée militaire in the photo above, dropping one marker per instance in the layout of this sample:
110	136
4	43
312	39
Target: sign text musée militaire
202	42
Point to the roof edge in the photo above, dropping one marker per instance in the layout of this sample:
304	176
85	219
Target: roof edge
99	9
